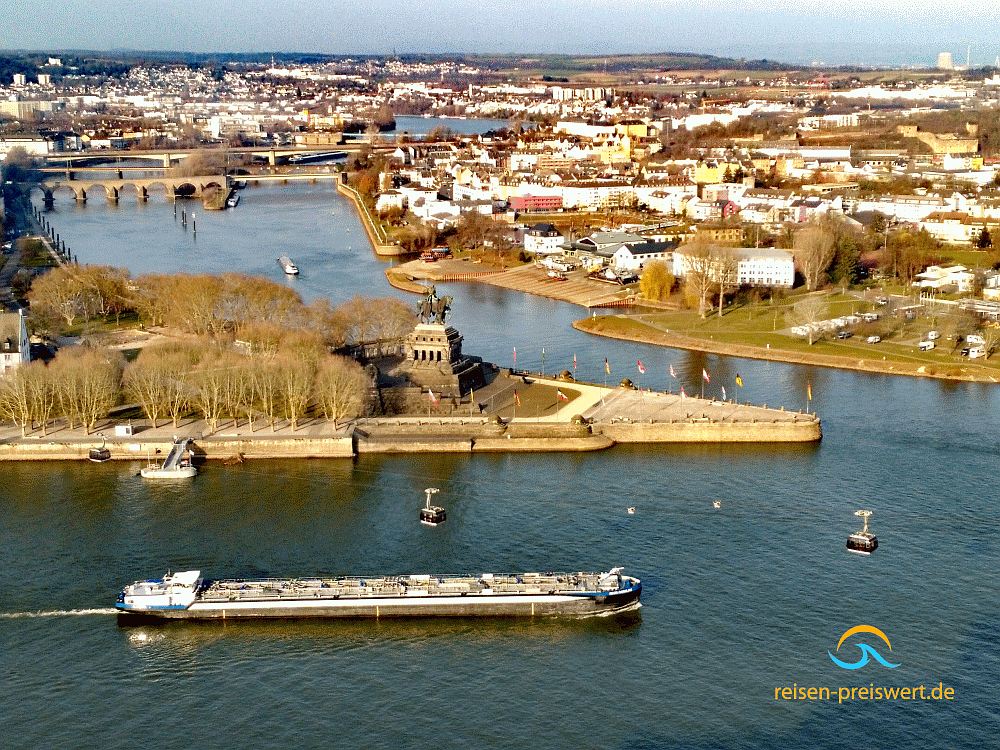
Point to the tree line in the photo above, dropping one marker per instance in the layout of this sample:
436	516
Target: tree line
205	378
248	349
207	305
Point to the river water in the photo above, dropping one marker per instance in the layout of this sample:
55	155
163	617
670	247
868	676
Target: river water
737	601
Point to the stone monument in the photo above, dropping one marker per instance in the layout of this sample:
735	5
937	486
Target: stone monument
433	352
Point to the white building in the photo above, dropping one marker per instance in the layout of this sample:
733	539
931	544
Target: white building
764	266
635	257
14	348
543	239
945	277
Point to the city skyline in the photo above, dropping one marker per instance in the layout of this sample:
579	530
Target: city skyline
838	34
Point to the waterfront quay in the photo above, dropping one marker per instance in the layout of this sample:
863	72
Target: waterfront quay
575	286
518	412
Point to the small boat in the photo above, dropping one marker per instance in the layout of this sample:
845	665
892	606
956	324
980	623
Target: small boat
862	542
716	504
233	200
100	455
176	466
630	510
432	515
288	266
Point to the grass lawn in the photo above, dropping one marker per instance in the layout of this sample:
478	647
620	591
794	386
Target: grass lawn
765	326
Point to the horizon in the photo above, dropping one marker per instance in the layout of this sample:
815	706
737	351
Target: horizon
776	30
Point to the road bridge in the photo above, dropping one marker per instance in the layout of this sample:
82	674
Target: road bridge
195	186
167	157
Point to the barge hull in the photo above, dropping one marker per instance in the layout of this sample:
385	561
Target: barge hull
457	606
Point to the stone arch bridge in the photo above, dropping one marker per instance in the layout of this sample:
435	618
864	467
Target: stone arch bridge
195	186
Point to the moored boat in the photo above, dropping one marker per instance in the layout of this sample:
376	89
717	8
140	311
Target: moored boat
186	595
288	266
177	464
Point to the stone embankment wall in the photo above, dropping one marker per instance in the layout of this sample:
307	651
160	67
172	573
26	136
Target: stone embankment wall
378	245
804	430
41	449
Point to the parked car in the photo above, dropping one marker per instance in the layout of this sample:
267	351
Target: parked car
873	339
881	300
933	335
976	352
926	346
844	334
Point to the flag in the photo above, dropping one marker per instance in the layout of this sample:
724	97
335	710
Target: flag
434	399
809	390
704	375
672	373
515	356
739	380
723	393
607	366
561	396
543	352
683	394
640	366
517	399
574	361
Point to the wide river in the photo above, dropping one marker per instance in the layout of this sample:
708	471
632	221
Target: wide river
737	601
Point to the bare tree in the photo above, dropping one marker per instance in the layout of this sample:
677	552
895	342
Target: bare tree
147	382
341	389
807	313
699	262
267	393
15	398
87	384
209	395
41	393
814	249
295	386
727	265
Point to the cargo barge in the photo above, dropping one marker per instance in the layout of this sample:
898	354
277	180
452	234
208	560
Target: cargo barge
186	595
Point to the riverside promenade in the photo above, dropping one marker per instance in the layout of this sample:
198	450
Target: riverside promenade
592	417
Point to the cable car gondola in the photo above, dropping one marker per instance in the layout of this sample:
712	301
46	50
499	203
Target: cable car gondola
432	515
862	542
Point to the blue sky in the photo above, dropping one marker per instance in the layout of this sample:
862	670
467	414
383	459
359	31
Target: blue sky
834	31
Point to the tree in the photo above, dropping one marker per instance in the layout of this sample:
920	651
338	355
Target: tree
341	389
699	259
656	281
985	240
807	313
41	393
266	390
814	249
149	380
210	381
87	383
727	266
15	398
60	293
295	386
846	266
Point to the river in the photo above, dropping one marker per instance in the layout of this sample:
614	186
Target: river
737	601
